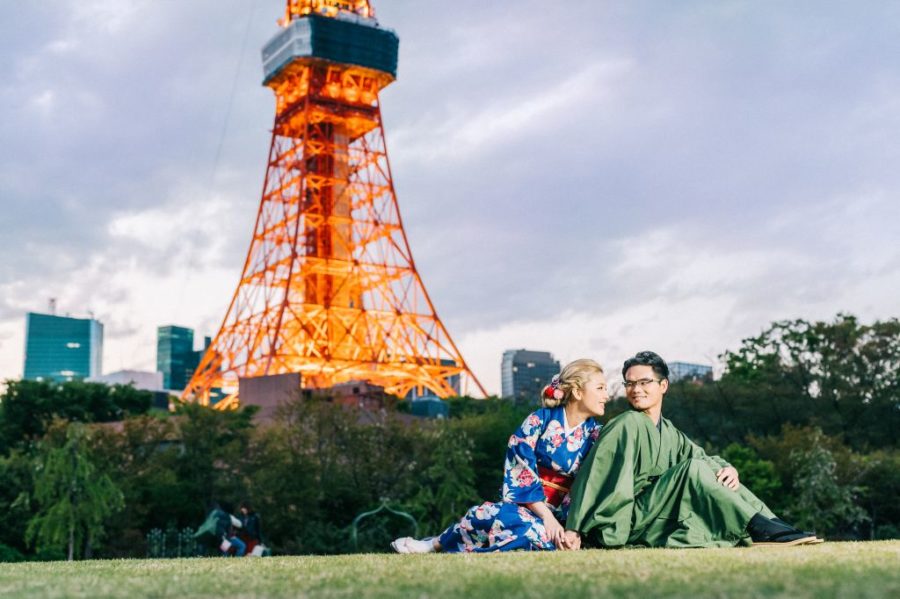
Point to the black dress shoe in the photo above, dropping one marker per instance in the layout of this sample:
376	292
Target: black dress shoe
780	521
775	532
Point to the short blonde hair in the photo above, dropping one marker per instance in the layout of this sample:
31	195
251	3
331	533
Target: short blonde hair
574	375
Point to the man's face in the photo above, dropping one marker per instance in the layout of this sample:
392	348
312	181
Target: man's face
643	388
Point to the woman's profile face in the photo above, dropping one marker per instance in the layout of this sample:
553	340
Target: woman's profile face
594	395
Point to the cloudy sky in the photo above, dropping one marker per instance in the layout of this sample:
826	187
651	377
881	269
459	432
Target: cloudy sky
591	178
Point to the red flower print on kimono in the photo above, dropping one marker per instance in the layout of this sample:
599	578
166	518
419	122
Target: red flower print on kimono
525	477
554	435
575	440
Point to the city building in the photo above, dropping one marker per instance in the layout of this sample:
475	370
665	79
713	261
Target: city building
61	348
523	373
268	392
685	371
429	406
139	379
176	358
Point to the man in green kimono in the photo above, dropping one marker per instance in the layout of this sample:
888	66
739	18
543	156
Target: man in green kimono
645	483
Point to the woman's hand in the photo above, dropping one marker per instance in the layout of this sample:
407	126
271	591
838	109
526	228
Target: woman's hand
556	532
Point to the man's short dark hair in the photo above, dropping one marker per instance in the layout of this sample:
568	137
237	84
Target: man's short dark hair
647	358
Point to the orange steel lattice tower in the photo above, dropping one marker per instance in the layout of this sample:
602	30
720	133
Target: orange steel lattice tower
329	287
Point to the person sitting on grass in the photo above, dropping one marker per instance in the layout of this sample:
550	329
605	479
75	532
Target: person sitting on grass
232	544
645	483
250	529
543	456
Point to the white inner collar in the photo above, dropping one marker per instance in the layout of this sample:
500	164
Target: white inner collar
566	428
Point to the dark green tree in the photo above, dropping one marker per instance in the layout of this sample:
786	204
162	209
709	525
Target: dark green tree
28	407
213	448
142	458
74	498
321	464
841	376
16	486
822	479
447	485
819	500
488	424
880	492
756	474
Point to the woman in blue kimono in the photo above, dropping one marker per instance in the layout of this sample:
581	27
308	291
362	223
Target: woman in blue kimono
543	457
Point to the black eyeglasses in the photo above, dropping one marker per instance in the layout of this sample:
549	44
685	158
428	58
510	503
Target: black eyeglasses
643	383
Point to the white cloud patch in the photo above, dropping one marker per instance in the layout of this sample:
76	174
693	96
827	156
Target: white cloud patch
63	46
44	101
109	16
687	330
467	133
174	224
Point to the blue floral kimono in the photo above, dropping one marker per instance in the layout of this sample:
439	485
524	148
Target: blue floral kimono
544	443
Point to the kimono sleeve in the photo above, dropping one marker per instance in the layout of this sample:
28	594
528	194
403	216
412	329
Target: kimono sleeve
603	493
690	450
521	483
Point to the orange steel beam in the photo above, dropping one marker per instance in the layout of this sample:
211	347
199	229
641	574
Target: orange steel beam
328	8
329	287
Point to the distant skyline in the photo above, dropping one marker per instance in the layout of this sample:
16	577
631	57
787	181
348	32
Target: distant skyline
585	178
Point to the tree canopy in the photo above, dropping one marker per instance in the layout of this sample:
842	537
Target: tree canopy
27	407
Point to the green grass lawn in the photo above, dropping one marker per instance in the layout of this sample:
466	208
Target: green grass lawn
828	570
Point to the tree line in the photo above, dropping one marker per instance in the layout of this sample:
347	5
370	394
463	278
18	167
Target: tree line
807	411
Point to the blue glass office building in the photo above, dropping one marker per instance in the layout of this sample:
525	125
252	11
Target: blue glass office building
686	371
175	355
60	348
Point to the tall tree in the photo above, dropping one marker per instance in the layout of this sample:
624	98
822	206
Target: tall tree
28	407
841	376
74	498
16	485
448	484
821	477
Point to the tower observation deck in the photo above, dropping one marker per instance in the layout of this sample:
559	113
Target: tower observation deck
329	288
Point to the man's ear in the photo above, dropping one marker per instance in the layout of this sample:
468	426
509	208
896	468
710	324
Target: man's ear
664	385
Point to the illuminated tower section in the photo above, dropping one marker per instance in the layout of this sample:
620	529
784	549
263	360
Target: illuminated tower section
329	287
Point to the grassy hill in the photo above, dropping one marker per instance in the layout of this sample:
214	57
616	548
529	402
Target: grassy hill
828	570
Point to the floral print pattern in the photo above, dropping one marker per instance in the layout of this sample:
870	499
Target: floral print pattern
541	440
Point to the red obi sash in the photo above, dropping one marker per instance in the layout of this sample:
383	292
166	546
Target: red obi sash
556	485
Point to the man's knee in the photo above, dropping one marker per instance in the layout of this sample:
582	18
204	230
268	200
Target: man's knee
697	465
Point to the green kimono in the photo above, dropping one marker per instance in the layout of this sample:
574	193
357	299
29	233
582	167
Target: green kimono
654	487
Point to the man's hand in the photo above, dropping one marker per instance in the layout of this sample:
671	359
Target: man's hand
728	476
572	540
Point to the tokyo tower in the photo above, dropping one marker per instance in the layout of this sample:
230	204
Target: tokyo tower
329	287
